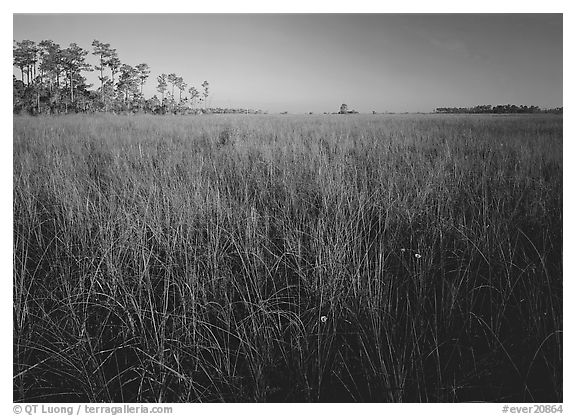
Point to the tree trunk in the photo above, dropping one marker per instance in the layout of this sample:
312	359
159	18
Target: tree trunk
57	87
101	74
105	99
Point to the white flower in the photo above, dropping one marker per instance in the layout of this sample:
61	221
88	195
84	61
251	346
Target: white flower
323	319
402	250
418	256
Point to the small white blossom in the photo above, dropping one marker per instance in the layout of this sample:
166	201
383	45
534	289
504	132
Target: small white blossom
323	319
418	256
402	250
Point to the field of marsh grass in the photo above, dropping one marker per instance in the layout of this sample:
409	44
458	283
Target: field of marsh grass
288	258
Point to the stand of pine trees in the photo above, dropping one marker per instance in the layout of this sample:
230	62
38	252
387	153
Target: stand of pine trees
52	81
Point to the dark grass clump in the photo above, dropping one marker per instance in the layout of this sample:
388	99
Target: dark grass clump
372	259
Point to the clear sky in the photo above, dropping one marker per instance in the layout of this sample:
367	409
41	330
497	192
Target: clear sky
311	62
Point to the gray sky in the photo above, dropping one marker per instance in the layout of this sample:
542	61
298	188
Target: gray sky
301	63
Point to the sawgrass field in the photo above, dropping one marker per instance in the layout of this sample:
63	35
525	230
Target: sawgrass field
261	258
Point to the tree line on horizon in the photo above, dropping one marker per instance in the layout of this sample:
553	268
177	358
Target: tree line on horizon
498	109
52	81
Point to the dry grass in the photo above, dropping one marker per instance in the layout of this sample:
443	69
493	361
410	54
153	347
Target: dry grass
192	258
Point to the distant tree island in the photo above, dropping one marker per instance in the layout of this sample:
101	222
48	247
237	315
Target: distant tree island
498	109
